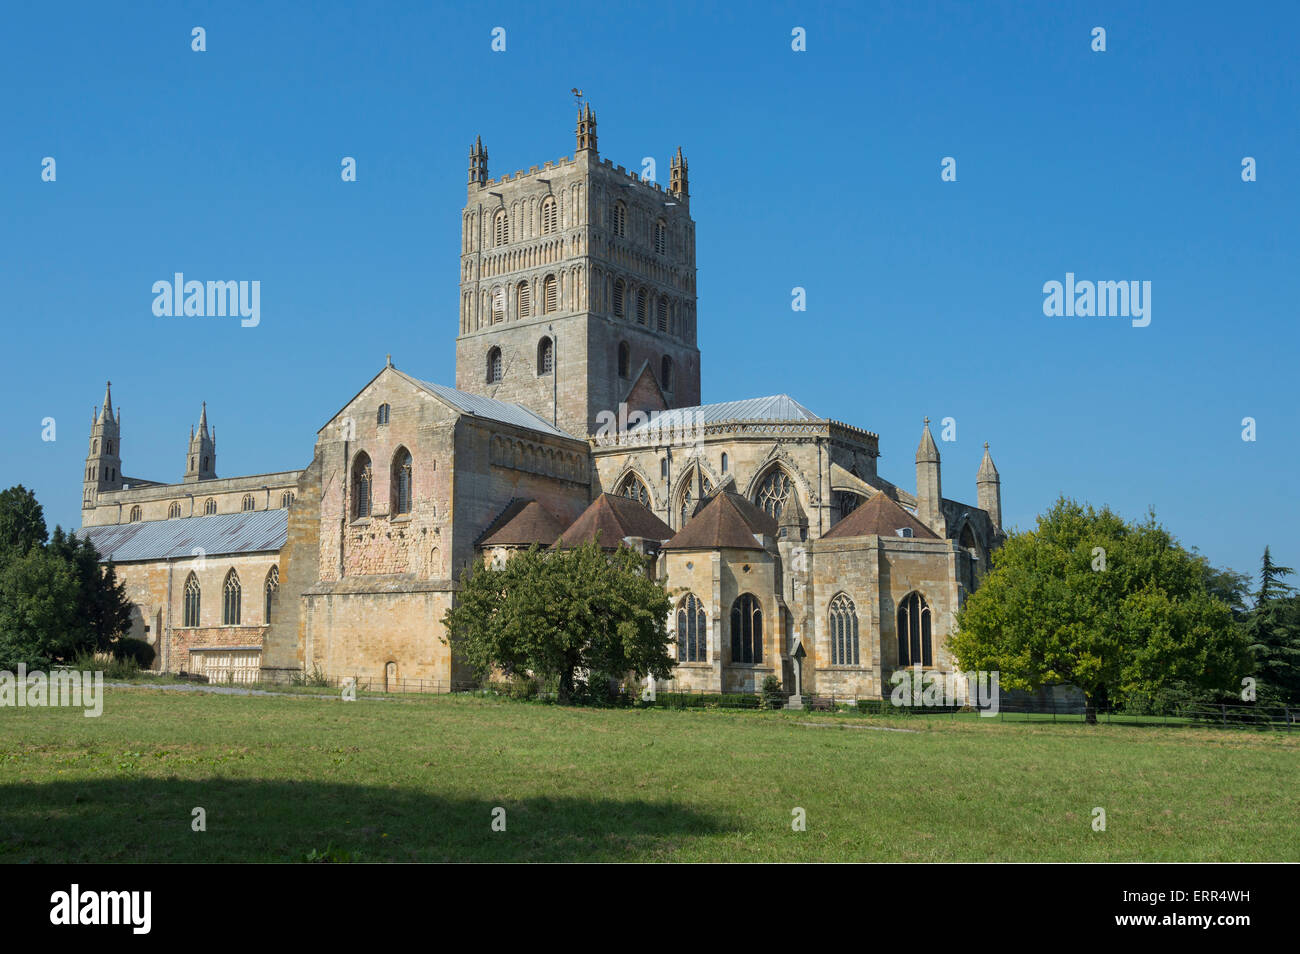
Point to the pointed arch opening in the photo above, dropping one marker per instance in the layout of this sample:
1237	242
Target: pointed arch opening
914	632
193	598
362	486
746	629
843	625
692	630
231	598
402	480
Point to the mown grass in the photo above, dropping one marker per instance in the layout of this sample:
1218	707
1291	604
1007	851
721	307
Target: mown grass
416	778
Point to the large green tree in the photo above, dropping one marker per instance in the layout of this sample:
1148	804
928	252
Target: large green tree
1273	631
22	523
1115	608
56	600
557	613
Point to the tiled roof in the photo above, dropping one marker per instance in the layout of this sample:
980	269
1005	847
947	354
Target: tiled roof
776	407
725	520
489	408
879	515
523	523
612	518
253	531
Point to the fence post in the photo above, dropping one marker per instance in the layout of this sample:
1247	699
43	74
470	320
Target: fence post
1223	713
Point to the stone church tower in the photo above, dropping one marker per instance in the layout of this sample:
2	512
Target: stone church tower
104	459
578	287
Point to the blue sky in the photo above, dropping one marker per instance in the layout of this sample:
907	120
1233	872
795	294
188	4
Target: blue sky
818	169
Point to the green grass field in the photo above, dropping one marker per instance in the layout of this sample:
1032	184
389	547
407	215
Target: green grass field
416	778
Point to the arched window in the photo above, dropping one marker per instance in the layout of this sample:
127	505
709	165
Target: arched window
620	299
846	502
205	463
914	632
550	216
618	218
642	306
135	514
498	304
381	415
174	510
248	503
231	594
209	507
725	462
661	314
494	366
272	584
773	492
362	482
692	631
524	292
746	629
550	294
661	238
687	501
286	499
545	356
402	481
666	373
94	446
633	487
624	359
844	632
500	228
192	594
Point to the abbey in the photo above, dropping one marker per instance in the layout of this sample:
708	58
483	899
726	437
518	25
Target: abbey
785	551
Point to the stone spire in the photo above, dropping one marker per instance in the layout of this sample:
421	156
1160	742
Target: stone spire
929	488
106	412
988	488
201	455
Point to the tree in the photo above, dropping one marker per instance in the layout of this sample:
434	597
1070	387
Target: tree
1117	609
39	612
22	523
556	613
1273	635
101	599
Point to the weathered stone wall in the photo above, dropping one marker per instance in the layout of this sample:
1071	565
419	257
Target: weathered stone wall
227	494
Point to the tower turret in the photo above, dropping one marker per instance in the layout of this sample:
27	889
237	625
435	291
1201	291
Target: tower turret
929	490
678	183
478	163
103	460
586	129
988	487
201	458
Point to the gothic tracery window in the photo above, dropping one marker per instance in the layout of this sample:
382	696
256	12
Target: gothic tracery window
192	597
402	476
914	632
361	487
746	629
174	510
844	632
774	492
209	507
248	503
135	514
692	630
688	491
269	590
231	595
632	486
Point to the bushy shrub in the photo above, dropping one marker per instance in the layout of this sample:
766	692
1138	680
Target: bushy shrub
773	696
137	649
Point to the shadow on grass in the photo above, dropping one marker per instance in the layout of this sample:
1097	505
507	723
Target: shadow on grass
149	820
